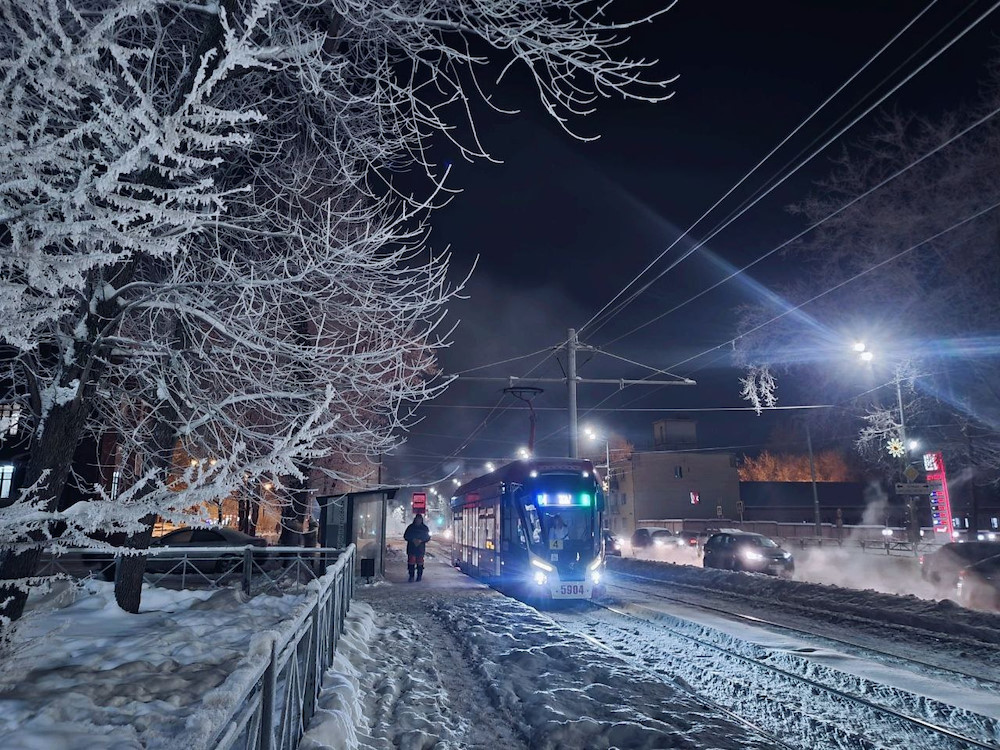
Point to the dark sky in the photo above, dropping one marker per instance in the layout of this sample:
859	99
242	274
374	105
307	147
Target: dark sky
562	225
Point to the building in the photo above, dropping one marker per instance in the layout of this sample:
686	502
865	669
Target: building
671	481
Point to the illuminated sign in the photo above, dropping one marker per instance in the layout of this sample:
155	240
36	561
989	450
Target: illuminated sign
419	502
940	500
564	499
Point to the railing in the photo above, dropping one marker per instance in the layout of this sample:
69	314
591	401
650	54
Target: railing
279	695
256	570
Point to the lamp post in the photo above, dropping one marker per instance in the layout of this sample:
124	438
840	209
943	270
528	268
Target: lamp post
905	446
607	449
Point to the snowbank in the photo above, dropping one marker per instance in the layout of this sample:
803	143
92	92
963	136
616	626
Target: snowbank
942	616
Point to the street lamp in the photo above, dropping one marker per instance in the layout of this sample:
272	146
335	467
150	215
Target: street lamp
607	448
490	466
523	453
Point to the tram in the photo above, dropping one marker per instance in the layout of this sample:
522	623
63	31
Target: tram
533	526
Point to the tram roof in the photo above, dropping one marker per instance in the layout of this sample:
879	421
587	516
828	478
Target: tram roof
521	469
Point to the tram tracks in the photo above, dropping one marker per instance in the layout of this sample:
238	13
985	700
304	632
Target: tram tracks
760	621
790	699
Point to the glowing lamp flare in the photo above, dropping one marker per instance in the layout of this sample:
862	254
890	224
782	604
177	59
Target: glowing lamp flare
896	448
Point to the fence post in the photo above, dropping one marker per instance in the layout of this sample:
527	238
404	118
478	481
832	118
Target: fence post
269	688
247	568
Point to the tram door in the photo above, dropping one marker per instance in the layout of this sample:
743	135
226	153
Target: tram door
487	537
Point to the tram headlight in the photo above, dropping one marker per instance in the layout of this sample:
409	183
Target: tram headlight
540	578
595	576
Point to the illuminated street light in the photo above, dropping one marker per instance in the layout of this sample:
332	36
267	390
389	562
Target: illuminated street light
914	445
859	347
523	453
490	466
454	480
867	356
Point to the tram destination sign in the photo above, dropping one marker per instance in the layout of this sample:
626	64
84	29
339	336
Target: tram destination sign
917	488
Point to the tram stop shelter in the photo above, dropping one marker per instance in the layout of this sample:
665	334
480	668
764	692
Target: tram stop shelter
357	518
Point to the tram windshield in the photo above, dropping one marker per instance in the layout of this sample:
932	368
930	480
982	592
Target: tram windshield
559	520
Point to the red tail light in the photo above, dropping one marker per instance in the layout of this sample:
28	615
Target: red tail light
921	560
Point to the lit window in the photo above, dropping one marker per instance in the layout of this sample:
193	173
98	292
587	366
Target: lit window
115	477
6	480
10	417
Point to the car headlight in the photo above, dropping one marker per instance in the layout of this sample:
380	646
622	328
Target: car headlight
788	555
658	542
540	578
753	555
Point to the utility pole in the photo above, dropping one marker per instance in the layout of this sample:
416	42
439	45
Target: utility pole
571	380
817	521
571	345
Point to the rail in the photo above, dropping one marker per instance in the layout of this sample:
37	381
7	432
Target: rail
278	696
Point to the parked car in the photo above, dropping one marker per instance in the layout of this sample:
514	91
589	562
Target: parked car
652	536
612	545
213	561
978	585
742	551
941	567
692	539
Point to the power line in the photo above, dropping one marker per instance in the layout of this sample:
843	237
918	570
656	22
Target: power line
811	227
779	182
835	287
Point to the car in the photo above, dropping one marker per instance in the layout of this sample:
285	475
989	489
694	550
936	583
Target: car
743	551
612	545
692	539
941	567
978	585
649	536
194	538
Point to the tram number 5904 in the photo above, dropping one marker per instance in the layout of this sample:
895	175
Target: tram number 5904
571	589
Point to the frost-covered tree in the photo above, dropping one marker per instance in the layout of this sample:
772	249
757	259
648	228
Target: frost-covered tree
204	246
914	270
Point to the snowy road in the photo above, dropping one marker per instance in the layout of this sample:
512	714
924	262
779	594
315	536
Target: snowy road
448	663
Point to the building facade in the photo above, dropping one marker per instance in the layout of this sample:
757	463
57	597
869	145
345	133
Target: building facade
670	484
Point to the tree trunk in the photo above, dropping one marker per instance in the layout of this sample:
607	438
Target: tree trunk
51	451
295	512
131	568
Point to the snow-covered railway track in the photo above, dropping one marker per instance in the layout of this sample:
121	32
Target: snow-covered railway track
964	639
853	645
794	700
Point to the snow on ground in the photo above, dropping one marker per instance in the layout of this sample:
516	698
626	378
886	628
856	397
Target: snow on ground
943	616
450	663
848	567
81	673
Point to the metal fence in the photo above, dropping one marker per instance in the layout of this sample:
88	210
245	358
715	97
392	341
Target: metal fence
279	698
256	570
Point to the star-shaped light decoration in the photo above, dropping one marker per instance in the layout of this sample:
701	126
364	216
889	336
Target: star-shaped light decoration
896	448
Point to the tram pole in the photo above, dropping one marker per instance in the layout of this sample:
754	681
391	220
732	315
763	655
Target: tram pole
571	344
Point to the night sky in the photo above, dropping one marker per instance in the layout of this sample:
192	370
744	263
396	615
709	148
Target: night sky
562	225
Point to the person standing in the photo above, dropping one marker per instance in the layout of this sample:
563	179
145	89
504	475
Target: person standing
416	535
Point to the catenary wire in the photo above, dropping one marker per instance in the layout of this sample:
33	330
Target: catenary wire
697	245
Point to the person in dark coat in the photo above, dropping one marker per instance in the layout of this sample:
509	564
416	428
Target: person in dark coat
416	535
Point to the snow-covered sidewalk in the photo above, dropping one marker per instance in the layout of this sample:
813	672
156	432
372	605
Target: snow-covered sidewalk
449	663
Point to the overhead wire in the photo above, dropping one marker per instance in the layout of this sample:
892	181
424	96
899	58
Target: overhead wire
795	238
895	256
700	243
